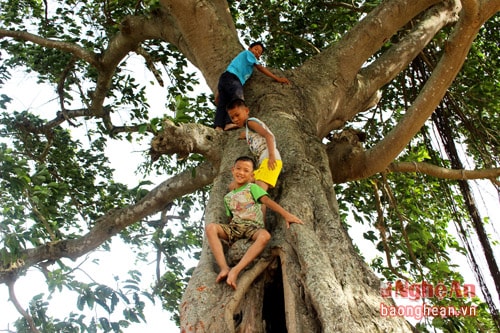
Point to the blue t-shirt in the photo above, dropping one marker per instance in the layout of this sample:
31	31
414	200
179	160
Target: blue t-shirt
242	65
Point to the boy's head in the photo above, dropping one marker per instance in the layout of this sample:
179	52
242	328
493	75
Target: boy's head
257	48
247	159
238	112
243	169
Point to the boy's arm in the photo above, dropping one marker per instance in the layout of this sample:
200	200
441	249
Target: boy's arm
255	126
289	217
267	72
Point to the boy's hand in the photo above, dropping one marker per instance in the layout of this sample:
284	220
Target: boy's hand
290	218
283	80
271	163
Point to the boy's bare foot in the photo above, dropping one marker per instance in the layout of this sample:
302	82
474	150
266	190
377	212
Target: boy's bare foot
222	275
232	277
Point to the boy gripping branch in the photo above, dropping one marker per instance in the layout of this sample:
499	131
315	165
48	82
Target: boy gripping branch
231	82
243	206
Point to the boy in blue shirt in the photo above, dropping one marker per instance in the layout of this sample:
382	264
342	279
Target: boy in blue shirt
243	206
231	82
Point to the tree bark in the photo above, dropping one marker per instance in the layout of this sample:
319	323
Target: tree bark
326	285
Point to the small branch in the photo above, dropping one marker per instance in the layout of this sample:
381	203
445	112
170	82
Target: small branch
60	89
20	309
392	200
46	129
346	5
444	173
162	223
76	50
42	218
381	227
150	65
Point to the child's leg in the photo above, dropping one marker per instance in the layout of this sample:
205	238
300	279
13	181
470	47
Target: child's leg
228	88
214	234
260	238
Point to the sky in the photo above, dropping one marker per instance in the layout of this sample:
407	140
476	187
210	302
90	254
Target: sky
116	262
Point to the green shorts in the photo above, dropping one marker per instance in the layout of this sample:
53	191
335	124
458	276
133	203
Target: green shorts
236	231
264	174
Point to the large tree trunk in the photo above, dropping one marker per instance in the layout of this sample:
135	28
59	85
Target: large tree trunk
310	279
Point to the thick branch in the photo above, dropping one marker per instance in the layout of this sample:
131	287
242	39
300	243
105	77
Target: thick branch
115	221
365	93
184	139
367	37
346	155
397	58
340	91
456	49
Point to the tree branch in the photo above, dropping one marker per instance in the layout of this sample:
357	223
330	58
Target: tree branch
454	55
444	173
397	58
346	149
367	37
133	30
114	221
59	119
150	65
74	49
183	139
244	283
20	309
337	77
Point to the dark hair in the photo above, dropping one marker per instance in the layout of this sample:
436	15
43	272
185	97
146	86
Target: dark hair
247	159
236	103
257	43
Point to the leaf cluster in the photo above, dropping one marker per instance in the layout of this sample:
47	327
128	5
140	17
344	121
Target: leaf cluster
293	31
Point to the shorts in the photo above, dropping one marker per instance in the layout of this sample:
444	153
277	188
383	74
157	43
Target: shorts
236	231
264	174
